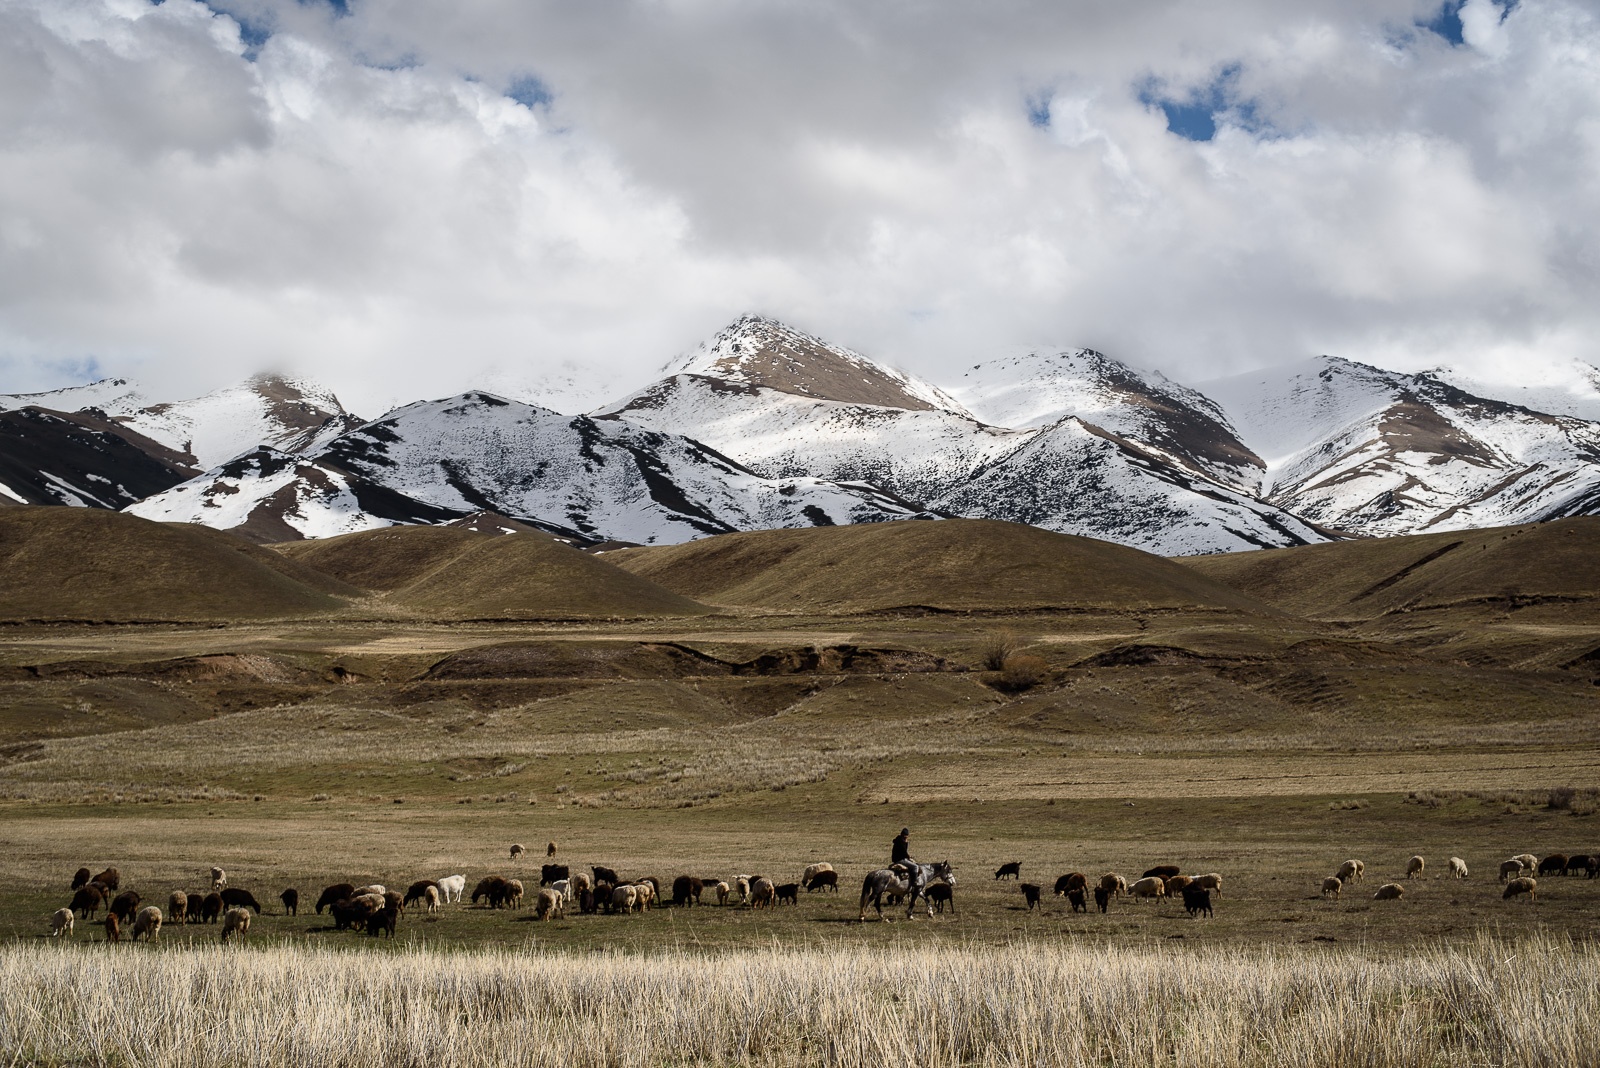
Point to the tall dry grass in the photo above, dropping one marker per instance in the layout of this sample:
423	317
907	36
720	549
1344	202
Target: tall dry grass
1530	1002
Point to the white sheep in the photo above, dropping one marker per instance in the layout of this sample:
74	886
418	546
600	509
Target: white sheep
1332	885
741	887
1209	881
551	904
514	894
579	882
811	872
374	888
623	898
723	890
1389	892
430	898
1458	868
235	921
1414	867
1351	871
147	923
219	879
564	888
1150	887
60	922
451	886
1510	869
647	895
1528	861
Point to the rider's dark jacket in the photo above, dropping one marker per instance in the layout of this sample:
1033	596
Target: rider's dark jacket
902	849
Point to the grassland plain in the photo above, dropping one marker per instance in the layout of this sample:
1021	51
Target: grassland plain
1222	732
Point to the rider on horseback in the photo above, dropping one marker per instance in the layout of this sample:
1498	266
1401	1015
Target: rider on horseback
900	854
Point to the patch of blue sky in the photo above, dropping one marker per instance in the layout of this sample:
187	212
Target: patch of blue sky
530	92
1446	21
1194	115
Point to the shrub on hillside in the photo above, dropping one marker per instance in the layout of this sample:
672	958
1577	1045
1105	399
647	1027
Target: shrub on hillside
1023	672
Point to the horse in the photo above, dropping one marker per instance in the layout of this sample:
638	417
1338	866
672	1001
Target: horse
911	879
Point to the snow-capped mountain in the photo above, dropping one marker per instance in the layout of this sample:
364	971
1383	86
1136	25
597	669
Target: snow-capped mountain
1039	389
1063	473
1569	388
574	476
80	459
1381	452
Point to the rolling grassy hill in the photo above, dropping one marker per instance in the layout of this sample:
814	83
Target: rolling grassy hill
95	565
956	565
453	573
1358	580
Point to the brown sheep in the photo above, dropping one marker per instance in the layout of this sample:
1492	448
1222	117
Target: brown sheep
418	890
235	921
147	923
1070	880
1030	894
762	893
113	928
1389	892
1102	898
517	851
234	897
1523	885
87	901
178	906
941	894
1178	884
1554	864
1161	871
813	870
550	850
824	880
1076	898
334	894
109	879
383	921
125	905
1113	884
1332	885
80	878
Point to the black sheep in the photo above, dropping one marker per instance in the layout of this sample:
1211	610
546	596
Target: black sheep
1070	880
87	901
1197	899
211	907
606	875
126	906
1012	868
235	898
334	894
1030	894
418	890
291	901
686	890
80	879
1075	895
941	894
1102	898
789	892
552	873
1162	871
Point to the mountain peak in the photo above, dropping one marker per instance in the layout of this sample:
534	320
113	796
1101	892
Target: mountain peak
757	351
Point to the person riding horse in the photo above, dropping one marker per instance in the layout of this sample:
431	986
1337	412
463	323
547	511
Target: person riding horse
900	852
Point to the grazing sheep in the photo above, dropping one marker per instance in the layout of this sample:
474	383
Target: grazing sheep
940	894
551	904
394	900
1030	894
334	894
1161	871
211	907
1332	885
1509	869
147	923
1150	886
1389	892
291	901
1414	867
514	893
603	874
60	922
80	878
1102	898
1070	880
235	921
87	901
353	913
1077	900
564	888
789	892
113	928
1458	868
1524	885
516	850
451	888
178	906
812	871
372	888
1593	868
580	882
1209	881
1178	884
495	888
1576	863
824	880
125	905
1527	860
1554	864
549	873
383	922
109	879
234	897
219	879
686	890
723	890
741	886
417	891
647	893
1012	868
1113	883
623	898
1351	871
762	893
550	849
430	898
1197	899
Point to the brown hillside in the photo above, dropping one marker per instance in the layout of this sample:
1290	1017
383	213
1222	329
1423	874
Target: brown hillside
1529	564
451	573
92	564
956	564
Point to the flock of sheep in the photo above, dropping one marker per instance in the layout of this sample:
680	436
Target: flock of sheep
378	909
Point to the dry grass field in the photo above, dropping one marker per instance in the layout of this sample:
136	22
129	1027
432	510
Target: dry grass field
1223	723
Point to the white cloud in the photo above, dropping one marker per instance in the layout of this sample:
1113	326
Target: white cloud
356	198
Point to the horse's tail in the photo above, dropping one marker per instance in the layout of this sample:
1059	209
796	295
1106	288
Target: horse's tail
866	893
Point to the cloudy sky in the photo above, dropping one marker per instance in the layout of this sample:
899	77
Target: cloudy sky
410	197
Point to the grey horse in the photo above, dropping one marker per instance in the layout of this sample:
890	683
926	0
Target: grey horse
911	879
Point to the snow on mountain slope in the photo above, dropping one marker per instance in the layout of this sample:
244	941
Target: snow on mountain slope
1381	452
434	461
1042	388
1571	388
1075	478
915	454
114	396
756	351
80	459
290	415
270	496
